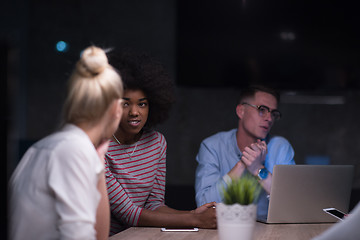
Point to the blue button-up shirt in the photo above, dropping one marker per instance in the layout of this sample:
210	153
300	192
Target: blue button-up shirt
219	153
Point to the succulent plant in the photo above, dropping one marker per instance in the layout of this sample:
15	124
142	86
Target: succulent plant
243	191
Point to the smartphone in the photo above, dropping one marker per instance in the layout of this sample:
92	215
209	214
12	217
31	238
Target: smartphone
335	213
179	229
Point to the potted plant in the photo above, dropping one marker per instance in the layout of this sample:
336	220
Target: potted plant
236	215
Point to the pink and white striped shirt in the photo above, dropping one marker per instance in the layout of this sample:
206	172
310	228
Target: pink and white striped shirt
135	177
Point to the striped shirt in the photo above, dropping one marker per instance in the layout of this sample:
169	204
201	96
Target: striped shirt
135	178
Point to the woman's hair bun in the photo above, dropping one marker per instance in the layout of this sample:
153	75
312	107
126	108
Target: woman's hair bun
92	62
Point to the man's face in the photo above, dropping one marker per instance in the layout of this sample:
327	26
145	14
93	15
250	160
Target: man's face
253	124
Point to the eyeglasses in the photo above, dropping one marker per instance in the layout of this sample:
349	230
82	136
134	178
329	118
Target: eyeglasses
263	110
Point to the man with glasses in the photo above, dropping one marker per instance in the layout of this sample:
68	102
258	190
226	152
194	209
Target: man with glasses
226	156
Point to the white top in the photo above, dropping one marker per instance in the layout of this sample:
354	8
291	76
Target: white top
53	190
349	229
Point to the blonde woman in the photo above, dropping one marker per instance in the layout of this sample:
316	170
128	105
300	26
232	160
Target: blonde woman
58	189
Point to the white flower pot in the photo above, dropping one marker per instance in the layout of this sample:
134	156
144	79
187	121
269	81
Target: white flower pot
235	221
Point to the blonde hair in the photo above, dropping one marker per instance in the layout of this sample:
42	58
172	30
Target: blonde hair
93	85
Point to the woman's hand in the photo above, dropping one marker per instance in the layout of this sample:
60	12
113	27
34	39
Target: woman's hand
204	207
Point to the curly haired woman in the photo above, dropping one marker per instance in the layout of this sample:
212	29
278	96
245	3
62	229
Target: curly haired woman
136	159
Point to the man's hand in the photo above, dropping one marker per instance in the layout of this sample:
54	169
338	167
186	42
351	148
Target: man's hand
254	156
237	170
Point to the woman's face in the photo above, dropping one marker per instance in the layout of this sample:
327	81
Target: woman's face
135	113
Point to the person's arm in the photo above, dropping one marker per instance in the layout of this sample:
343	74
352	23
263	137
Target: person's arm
156	214
163	216
73	177
254	159
156	197
121	205
258	155
166	209
202	217
208	179
266	183
102	225
237	171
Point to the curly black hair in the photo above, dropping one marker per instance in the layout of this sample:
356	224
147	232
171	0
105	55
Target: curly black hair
140	71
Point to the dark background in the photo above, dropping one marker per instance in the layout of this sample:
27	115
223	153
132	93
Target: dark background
212	49
292	44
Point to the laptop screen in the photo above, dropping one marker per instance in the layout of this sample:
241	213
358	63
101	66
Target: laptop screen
299	193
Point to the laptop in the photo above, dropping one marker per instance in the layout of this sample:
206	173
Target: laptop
299	193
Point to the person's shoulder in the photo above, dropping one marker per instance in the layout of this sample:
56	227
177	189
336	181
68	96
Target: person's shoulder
67	138
221	137
158	134
278	141
154	135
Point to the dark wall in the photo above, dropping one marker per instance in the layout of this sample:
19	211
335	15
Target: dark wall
140	25
4	124
291	44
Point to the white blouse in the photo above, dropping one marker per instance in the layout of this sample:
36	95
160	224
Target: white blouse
53	190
